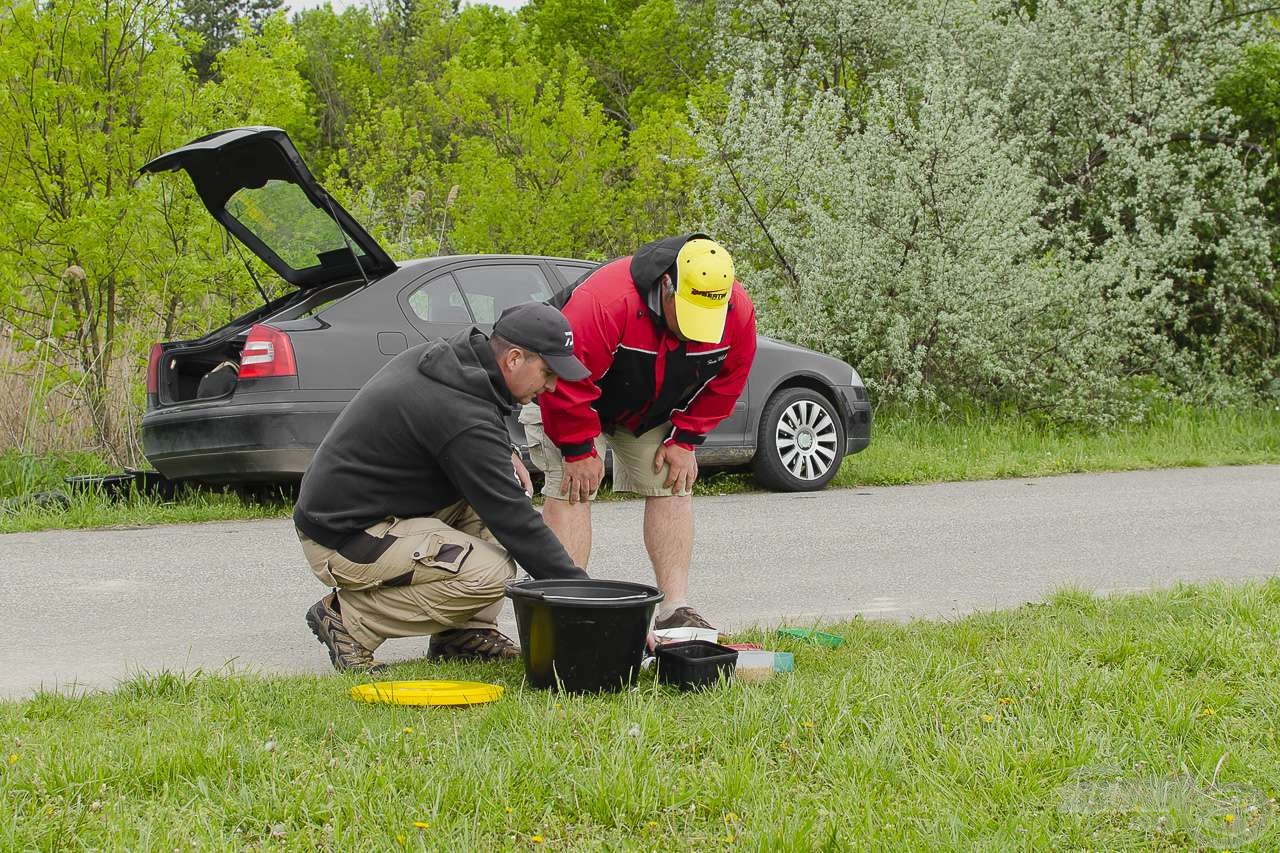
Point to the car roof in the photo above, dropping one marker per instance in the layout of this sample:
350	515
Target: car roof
442	260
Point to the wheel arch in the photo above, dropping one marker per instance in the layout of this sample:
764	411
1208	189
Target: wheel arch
804	379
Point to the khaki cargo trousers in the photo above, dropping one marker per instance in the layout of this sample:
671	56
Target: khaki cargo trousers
410	577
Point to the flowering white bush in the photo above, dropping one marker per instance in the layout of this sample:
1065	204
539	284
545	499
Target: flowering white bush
969	202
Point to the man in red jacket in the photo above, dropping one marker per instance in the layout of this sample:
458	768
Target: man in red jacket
668	336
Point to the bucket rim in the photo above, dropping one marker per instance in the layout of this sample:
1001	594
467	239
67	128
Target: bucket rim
627	593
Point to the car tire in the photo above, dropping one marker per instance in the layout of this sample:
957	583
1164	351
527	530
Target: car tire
800	442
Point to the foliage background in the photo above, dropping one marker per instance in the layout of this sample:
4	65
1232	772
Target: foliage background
1063	208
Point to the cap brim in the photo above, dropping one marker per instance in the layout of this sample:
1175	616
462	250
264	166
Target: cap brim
567	367
705	325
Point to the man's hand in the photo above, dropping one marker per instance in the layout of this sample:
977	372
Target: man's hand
522	473
683	466
581	478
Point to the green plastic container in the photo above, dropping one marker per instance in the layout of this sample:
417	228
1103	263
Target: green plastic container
818	638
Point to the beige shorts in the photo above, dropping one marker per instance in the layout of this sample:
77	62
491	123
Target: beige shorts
632	458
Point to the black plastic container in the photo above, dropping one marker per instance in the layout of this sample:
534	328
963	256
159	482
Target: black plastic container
120	486
113	486
582	636
695	664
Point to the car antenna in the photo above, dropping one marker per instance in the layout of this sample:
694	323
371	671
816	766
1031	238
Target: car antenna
346	239
235	244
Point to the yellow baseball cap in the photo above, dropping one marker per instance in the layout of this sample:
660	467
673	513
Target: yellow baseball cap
704	280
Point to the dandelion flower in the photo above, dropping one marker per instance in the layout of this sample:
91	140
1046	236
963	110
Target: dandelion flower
508	809
1229	818
13	758
1005	700
986	718
402	838
421	824
730	818
1208	712
537	839
808	724
407	730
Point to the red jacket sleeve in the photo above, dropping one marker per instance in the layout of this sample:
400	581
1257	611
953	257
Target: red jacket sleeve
567	414
715	402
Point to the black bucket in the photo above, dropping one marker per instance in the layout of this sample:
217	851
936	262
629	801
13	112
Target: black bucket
582	636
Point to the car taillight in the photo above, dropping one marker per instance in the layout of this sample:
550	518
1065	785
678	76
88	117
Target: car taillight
153	369
267	352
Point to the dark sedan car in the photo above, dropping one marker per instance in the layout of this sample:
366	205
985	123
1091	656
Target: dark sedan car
250	401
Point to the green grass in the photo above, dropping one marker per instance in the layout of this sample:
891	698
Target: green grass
919	736
87	510
906	447
976	445
22	474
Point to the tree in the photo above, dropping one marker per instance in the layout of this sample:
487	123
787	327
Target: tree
1091	133
218	25
91	91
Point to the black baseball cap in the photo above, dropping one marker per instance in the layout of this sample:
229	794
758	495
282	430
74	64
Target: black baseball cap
538	327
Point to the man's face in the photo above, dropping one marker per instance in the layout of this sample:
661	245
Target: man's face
669	307
527	375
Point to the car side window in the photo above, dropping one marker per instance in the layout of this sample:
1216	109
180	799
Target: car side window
438	301
572	272
492	288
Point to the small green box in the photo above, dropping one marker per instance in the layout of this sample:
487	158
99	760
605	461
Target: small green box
820	638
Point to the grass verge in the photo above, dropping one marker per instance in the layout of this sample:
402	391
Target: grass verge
1128	723
970	444
906	447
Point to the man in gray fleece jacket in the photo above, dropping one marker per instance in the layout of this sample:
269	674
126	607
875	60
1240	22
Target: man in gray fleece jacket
416	508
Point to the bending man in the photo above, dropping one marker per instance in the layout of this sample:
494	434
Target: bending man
415	508
668	336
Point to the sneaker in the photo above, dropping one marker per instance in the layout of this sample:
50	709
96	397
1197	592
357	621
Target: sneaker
471	644
682	617
345	652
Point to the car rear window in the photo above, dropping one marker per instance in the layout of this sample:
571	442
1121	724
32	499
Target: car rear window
281	216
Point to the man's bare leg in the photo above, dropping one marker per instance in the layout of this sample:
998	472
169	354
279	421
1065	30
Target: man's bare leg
668	537
571	523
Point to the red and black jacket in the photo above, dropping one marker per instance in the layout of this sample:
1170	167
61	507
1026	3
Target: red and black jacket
642	375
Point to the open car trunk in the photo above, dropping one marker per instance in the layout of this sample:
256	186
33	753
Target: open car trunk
208	368
255	183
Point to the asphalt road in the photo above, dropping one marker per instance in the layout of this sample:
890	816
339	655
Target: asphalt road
87	608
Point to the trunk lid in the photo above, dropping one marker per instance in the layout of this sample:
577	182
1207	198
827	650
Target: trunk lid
254	182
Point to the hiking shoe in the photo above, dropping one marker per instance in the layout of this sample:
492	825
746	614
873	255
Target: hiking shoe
682	617
345	652
471	644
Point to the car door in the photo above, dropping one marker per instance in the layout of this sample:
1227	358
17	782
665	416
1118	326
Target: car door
435	307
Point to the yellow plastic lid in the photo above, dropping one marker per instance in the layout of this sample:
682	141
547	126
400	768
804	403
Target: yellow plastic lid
427	692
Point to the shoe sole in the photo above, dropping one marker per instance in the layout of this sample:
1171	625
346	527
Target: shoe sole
317	628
